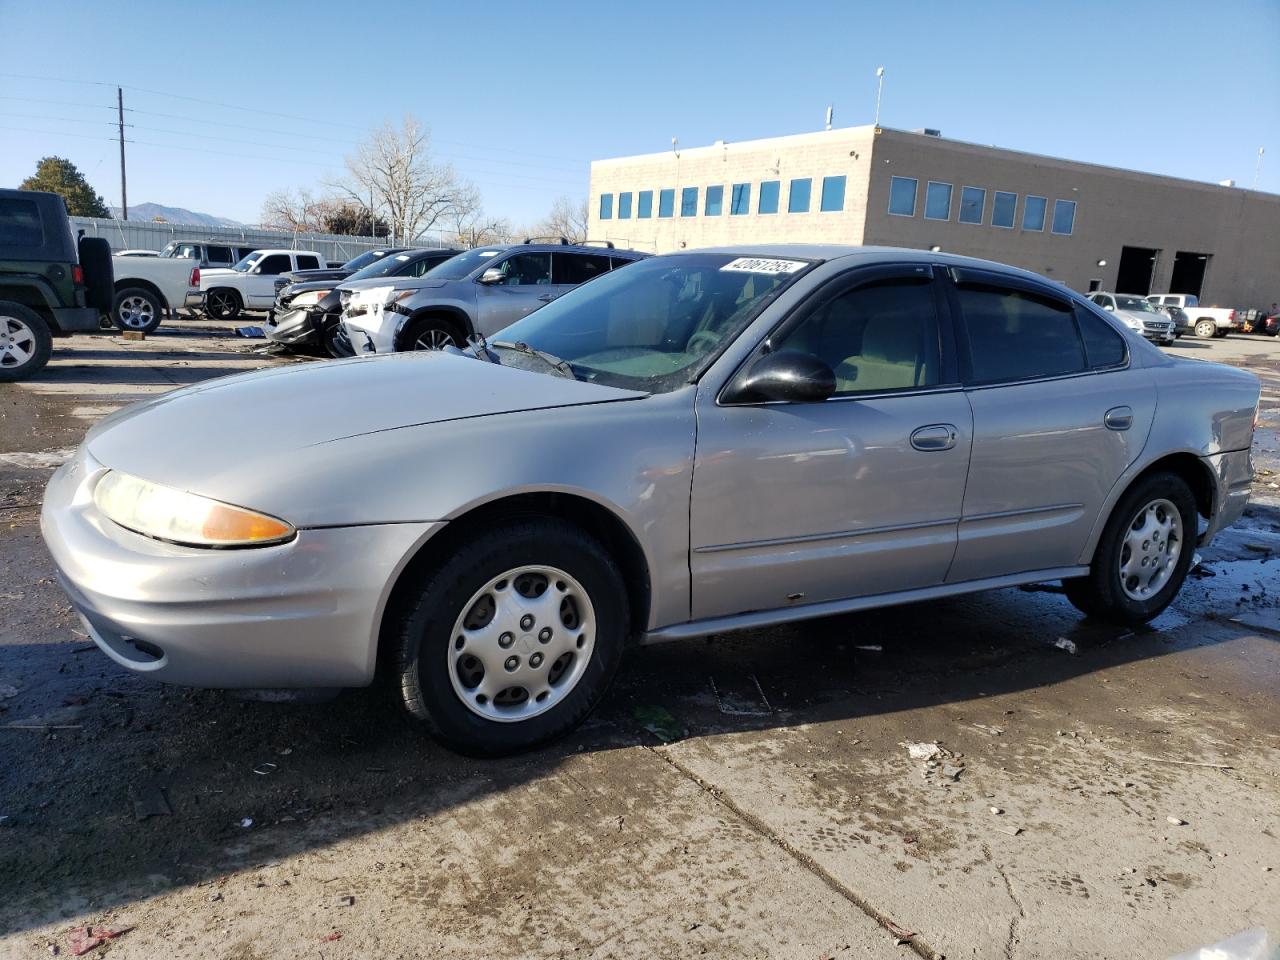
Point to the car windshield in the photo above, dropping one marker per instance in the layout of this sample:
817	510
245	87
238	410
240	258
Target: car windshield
1135	303
245	265
464	264
362	261
657	323
383	267
169	248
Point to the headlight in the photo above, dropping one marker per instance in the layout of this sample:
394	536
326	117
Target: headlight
167	514
309	299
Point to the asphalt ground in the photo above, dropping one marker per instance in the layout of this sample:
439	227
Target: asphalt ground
744	796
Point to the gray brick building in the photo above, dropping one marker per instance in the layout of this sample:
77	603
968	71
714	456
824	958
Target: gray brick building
1084	225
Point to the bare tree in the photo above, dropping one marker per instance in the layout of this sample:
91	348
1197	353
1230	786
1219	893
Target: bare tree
568	218
470	227
285	210
408	189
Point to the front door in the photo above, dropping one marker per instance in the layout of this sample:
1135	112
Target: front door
860	494
260	285
526	277
1058	415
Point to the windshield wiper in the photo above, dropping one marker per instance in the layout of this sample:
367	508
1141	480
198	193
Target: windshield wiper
479	347
550	359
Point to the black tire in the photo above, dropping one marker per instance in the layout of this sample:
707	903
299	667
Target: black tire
1101	593
1206	329
25	342
136	308
425	636
333	339
431	333
223	304
99	273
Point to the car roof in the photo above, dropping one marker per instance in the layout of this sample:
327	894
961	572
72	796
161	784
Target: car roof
553	246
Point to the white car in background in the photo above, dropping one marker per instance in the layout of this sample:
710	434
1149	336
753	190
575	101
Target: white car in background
251	283
149	287
1205	321
1138	315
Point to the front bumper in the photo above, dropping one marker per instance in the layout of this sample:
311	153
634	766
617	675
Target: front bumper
1234	474
293	327
301	614
77	319
373	331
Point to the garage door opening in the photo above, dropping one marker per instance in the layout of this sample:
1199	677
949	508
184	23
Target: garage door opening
1188	272
1136	266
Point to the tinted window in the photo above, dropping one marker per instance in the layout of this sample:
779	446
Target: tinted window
577	267
20	223
937	201
644	204
798	199
1103	346
740	200
624	206
1014	335
606	206
242	252
215	254
418	267
666	203
526	269
689	202
276	263
832	194
768	197
307	263
882	336
1002	209
1033	213
902	197
715	201
616	262
1064	216
973	202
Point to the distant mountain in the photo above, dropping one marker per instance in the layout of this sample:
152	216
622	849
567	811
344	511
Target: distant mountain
149	211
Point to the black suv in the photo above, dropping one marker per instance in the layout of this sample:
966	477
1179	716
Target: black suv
50	284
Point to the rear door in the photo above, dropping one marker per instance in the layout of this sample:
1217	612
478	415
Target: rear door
1058	414
860	494
568	270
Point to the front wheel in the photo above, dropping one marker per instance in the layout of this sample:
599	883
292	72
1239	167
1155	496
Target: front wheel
334	339
1205	329
514	638
136	309
431	334
25	342
223	304
1143	555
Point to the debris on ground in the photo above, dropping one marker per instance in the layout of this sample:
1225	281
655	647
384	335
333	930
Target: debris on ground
1011	831
871	648
1176	821
83	939
151	801
659	721
1062	643
246	822
265	769
344	901
997	811
1253	944
732	706
923	751
953	772
251	333
331	937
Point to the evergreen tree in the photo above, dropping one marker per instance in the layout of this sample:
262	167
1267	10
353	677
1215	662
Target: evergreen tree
60	176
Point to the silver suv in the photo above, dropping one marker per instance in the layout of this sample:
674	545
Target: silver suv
477	292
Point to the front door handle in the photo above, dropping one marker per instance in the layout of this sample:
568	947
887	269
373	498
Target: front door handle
1118	418
935	436
547	297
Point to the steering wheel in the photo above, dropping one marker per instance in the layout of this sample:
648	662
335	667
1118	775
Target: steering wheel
711	338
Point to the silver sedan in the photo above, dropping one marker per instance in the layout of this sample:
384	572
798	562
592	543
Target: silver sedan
699	443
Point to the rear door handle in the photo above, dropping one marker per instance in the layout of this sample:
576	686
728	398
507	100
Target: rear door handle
935	436
1118	418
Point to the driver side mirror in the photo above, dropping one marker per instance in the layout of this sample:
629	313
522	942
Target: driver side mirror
789	376
491	276
1110	308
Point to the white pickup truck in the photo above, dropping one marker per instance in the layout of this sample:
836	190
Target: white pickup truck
1206	321
251	283
147	288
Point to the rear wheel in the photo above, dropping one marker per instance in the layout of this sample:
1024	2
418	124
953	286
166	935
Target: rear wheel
25	342
223	304
514	639
1206	329
136	309
1143	555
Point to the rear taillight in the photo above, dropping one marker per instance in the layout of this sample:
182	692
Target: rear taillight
77	274
195	277
1232	315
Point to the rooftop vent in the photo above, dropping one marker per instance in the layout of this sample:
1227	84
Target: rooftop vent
1226	183
927	132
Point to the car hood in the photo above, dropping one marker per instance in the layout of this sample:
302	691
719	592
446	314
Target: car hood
305	286
1138	316
194	437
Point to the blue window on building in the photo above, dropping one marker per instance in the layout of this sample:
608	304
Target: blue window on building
902	196
798	199
689	202
937	201
1003	208
624	206
1033	213
973	204
768	197
606	206
666	203
715	201
740	200
832	194
1064	217
644	204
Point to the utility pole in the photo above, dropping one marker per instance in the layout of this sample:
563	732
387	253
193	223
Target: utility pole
1257	170
124	193
879	90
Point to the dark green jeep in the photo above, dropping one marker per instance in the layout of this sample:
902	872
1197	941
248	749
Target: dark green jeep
50	284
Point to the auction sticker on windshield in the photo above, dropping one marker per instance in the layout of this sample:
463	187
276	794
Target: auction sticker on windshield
761	265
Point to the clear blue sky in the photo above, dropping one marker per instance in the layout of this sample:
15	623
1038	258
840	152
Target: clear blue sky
521	96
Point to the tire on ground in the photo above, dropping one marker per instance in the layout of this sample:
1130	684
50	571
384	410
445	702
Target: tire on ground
1101	593
424	638
25	342
133	294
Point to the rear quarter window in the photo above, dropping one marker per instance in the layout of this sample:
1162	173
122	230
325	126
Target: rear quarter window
1103	346
20	223
1018	335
